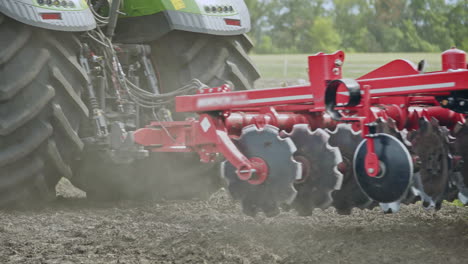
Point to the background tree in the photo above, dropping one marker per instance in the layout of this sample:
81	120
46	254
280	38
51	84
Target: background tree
309	26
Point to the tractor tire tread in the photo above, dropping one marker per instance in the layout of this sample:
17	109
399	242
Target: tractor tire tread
40	111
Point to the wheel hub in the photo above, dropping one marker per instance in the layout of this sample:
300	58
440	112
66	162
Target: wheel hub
260	168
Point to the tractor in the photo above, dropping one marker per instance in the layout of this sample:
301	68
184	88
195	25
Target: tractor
73	71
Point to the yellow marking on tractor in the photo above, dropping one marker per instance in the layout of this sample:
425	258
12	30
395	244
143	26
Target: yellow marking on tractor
178	4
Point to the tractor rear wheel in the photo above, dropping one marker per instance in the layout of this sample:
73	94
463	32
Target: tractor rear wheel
178	58
181	56
40	111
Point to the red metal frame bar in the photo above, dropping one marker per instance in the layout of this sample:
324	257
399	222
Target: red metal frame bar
243	99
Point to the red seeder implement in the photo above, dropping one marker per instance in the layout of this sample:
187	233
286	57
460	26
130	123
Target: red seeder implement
391	136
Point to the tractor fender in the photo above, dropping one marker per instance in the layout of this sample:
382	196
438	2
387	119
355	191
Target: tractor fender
61	15
147	20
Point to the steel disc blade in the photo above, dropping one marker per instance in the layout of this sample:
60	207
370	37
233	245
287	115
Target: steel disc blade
396	169
390	208
417	188
463	196
282	171
320	175
350	195
430	145
388	126
461	149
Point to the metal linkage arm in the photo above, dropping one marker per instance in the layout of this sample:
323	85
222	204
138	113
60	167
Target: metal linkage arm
206	136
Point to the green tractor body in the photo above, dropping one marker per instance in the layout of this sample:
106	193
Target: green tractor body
136	8
146	20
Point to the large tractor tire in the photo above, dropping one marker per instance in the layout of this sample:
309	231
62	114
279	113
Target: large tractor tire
181	56
40	111
178	58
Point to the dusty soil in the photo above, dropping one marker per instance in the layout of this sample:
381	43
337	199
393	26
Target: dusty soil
74	230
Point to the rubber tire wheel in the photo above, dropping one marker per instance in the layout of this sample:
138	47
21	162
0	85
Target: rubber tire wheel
178	58
40	111
181	56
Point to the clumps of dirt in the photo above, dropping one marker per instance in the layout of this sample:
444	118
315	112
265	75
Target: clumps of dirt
74	230
65	189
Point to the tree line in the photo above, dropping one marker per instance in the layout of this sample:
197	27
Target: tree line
306	26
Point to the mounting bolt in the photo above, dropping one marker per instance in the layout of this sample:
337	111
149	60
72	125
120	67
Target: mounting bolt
338	63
